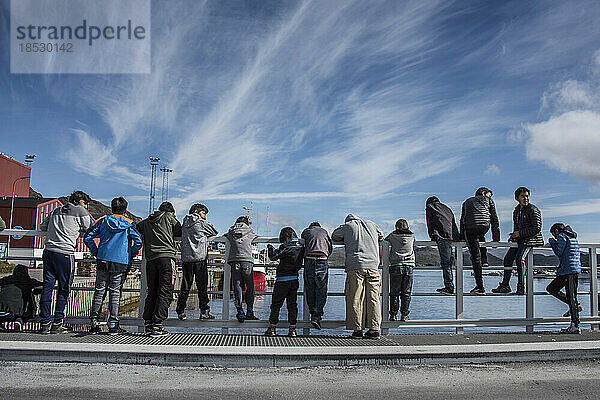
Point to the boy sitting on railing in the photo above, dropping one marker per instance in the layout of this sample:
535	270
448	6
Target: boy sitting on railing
290	254
402	262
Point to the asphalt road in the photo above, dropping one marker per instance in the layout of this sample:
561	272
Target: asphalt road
536	380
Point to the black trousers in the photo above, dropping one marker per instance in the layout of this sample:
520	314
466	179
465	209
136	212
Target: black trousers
288	291
159	277
569	282
199	270
473	236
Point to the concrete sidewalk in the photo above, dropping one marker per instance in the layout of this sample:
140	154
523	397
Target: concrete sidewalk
258	351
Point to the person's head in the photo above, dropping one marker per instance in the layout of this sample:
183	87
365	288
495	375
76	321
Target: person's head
79	198
286	234
483	191
314	224
402	225
118	205
432	200
522	195
243	219
166	207
199	209
556	229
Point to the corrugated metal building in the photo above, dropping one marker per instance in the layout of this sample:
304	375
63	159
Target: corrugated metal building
10	171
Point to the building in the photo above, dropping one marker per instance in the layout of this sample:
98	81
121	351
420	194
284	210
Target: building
11	171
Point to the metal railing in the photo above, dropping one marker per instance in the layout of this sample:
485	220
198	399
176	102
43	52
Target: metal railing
458	323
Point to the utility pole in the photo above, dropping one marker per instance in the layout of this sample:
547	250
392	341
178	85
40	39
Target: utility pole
153	163
165	187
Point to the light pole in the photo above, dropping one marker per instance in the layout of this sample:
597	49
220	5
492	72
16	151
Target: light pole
12	206
153	163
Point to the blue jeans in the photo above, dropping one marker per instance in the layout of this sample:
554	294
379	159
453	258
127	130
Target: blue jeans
316	273
518	254
59	268
401	280
242	271
111	282
445	249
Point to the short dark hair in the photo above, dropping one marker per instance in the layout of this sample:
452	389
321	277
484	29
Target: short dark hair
77	196
521	190
243	219
197	208
118	205
166	207
286	234
402	224
482	191
432	199
559	226
314	224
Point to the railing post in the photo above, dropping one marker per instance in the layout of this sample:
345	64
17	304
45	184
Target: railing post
226	289
529	300
143	290
459	306
385	283
305	311
593	286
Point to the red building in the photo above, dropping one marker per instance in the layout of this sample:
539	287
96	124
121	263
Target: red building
11	170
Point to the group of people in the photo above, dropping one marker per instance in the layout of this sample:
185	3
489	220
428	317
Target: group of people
114	240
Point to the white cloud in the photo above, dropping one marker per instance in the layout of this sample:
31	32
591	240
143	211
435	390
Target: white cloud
492	169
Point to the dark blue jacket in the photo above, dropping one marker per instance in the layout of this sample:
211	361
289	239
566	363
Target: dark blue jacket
119	242
290	255
566	248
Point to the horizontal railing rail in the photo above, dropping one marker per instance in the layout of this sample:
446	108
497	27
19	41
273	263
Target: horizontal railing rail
459	322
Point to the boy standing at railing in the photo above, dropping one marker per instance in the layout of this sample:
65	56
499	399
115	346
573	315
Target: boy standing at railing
402	262
119	243
289	254
241	237
566	247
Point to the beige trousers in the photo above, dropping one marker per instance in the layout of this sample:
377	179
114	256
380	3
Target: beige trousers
363	309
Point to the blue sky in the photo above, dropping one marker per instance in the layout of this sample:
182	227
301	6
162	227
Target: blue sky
320	108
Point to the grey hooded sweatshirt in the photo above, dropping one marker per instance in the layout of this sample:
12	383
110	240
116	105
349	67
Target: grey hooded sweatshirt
195	232
402	251
240	237
361	239
63	226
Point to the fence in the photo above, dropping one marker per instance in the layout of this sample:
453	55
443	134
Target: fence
459	322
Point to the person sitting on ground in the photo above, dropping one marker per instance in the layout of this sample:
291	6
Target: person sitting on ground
2	224
317	247
195	232
402	262
241	237
442	229
158	233
16	296
566	247
478	213
289	254
527	232
363	283
119	243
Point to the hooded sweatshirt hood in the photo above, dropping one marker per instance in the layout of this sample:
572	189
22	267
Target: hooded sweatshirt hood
350	217
191	220
117	223
569	232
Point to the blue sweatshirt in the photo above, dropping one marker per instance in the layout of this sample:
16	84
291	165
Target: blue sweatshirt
119	242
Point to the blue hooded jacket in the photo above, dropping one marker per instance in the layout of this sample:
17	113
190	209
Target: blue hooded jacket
119	242
566	248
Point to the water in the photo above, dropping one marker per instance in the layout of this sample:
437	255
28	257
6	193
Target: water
422	307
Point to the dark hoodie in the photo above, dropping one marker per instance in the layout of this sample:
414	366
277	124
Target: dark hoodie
440	221
240	237
158	232
16	292
194	237
290	255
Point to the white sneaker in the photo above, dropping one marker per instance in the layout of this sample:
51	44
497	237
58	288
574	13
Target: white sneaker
182	316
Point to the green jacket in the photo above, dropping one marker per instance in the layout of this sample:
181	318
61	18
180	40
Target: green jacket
158	232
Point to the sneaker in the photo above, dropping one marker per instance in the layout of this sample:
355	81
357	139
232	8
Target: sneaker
502	289
357	335
116	330
251	317
271	331
59	328
158	330
372	334
485	265
520	291
315	322
404	318
568	313
207	315
393	317
240	315
94	329
182	316
478	291
292	331
445	291
45	328
148	327
571	329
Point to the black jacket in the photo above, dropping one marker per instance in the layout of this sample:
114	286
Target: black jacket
16	293
440	222
480	211
528	221
290	255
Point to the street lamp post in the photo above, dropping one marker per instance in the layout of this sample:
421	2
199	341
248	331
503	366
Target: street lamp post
12	206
